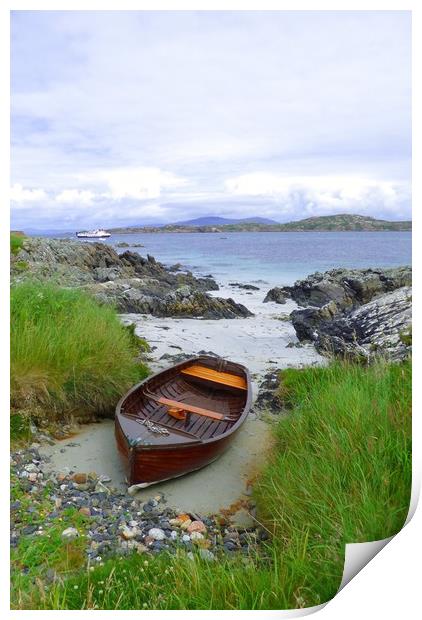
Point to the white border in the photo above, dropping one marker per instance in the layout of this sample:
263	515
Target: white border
387	587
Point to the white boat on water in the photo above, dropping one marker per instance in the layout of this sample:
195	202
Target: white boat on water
98	233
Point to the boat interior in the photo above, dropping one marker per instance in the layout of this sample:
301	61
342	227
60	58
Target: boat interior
192	402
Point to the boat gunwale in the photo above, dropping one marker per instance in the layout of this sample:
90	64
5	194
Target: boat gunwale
170	446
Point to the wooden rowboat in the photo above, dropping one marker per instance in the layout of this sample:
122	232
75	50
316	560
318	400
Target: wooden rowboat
181	419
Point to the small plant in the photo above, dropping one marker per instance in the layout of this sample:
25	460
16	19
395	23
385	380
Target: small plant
16	242
406	337
21	265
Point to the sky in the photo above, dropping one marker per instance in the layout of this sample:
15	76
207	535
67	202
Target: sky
144	117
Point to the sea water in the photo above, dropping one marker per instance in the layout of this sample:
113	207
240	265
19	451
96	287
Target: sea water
274	258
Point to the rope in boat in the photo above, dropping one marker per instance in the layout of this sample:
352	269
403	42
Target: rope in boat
154	428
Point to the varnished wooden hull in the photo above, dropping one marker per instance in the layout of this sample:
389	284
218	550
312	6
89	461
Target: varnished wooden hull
176	455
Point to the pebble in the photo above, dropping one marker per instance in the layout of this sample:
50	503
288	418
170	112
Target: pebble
206	554
85	510
196	526
156	533
128	533
185	524
119	523
70	534
80	478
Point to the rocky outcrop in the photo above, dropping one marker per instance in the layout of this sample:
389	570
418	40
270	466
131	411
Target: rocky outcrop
382	326
132	283
348	288
366	312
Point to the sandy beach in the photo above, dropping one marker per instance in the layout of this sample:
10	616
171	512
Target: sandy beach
259	342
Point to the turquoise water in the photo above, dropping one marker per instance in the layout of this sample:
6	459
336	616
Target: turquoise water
276	258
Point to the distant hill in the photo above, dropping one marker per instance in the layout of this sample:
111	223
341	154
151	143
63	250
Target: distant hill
213	220
326	223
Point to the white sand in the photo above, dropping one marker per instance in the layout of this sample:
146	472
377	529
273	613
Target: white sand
259	343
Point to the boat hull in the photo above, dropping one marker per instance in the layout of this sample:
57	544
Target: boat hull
155	464
148	464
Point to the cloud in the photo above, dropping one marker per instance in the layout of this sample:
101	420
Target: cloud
190	99
315	195
72	196
142	183
19	194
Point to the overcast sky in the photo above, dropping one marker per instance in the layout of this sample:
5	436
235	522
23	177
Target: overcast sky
144	117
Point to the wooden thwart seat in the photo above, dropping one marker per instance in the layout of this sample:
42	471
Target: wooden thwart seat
215	376
191	408
180	409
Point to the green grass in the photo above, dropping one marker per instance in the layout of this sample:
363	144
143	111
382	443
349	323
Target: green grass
16	242
68	354
339	471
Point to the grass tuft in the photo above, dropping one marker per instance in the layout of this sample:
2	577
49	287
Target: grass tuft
16	242
68	354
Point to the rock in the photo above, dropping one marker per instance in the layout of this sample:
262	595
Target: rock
205	554
128	533
348	288
268	398
306	321
242	519
80	478
196	536
130	282
246	287
85	510
156	533
31	468
70	534
186	538
185	524
277	295
356	313
140	548
374	329
196	526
